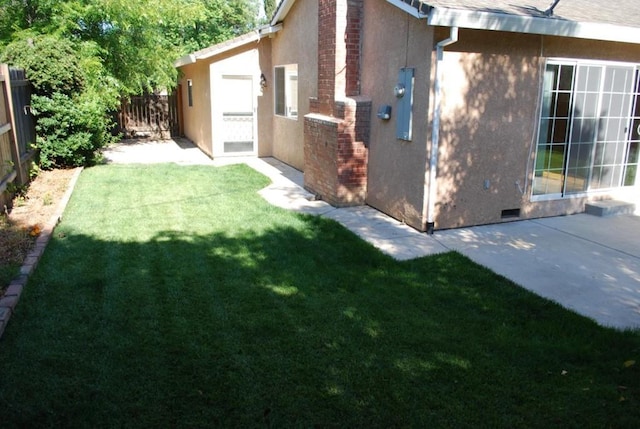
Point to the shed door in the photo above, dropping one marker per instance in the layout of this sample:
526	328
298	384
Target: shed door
237	122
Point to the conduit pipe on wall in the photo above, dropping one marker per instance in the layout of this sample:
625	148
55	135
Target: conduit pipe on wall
435	132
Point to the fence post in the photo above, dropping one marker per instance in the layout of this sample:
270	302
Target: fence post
8	101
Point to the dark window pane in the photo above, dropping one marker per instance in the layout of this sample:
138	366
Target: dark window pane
635	129
632	157
279	90
560	130
595	178
566	78
557	157
599	155
630	175
564	105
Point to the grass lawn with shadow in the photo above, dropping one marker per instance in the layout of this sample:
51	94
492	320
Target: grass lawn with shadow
174	296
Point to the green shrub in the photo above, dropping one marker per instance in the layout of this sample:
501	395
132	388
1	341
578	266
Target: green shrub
52	63
69	104
69	130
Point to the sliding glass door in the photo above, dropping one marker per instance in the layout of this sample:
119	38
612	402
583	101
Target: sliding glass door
586	139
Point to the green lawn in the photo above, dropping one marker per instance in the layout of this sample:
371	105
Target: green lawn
176	297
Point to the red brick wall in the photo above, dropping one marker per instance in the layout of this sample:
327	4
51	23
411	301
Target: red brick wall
352	155
336	133
352	47
320	157
326	55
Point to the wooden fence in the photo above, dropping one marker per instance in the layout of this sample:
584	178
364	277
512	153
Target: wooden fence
17	129
150	115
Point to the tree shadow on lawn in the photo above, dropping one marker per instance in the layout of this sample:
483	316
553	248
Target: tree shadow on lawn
298	327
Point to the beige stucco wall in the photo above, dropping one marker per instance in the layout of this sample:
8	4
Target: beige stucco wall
490	115
296	43
396	171
490	88
197	118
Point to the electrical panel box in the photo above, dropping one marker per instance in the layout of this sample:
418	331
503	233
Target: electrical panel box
404	108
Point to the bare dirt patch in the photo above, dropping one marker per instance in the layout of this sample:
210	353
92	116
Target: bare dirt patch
31	211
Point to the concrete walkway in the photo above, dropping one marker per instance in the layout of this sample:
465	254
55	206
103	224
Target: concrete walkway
586	263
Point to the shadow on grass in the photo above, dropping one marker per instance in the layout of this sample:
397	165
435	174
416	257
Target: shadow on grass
292	327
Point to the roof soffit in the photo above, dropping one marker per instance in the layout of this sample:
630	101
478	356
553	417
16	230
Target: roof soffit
586	19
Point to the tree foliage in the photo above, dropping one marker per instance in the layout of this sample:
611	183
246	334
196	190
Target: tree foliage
86	54
269	8
137	40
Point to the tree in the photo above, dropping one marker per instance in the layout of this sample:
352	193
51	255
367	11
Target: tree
84	55
219	20
137	40
269	8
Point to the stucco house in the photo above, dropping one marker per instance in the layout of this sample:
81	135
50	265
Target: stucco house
440	113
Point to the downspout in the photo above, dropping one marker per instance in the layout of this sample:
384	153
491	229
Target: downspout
435	133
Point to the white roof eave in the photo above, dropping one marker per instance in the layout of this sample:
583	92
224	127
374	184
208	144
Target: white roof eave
495	21
532	25
184	61
282	11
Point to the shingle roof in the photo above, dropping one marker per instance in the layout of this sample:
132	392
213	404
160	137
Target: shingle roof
618	12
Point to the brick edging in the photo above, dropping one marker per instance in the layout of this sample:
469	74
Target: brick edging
11	296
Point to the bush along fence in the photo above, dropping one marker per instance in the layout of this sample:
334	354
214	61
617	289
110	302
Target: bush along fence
17	131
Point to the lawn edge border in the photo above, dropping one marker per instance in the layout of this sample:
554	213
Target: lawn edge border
9	300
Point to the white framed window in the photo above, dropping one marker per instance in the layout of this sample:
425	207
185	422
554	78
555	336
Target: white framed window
589	129
286	90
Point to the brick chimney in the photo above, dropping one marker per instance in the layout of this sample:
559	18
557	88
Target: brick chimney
336	132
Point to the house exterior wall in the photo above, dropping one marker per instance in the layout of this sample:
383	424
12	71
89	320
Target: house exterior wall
197	118
490	112
490	88
296	43
397	168
490	115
